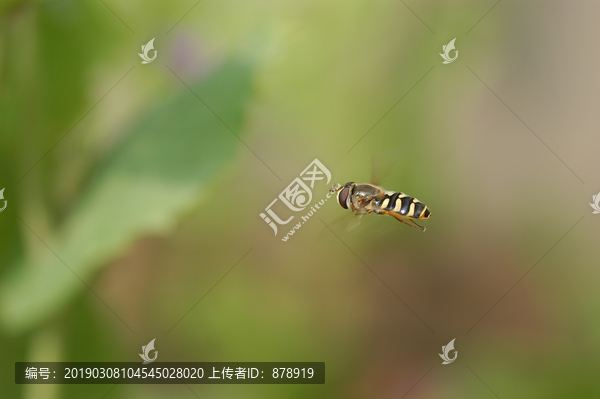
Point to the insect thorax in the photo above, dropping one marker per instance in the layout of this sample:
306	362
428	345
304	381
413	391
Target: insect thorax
368	191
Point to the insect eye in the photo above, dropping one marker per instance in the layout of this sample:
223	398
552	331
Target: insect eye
343	197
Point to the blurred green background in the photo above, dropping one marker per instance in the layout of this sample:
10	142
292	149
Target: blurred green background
133	189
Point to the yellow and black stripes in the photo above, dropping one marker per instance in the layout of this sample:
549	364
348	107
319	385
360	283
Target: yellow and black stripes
404	205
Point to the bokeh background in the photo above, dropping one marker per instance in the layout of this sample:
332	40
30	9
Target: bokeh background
134	193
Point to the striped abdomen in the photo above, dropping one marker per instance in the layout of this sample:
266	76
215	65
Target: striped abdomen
403	205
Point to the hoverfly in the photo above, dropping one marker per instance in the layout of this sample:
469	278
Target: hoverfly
366	198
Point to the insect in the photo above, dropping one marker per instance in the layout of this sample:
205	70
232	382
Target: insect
367	198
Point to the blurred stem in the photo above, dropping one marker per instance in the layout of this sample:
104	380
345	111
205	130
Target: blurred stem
46	345
23	63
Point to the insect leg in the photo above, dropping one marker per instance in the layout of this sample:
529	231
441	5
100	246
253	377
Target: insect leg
401	219
418	227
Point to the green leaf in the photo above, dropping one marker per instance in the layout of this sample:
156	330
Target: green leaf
156	174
